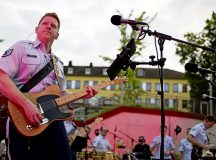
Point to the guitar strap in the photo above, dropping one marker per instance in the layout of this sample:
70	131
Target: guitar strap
38	77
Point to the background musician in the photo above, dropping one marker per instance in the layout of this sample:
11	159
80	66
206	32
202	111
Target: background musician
185	148
169	146
198	136
101	143
142	150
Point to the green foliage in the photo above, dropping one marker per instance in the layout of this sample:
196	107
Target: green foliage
205	59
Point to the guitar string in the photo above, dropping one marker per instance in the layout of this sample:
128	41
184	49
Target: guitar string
46	105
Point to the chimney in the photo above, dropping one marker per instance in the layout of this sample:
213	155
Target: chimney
70	64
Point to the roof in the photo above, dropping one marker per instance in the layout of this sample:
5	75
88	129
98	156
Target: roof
147	72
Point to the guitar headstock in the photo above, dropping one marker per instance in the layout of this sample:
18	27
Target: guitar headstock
119	80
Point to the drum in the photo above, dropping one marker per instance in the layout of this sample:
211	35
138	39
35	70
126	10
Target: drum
104	156
81	155
98	156
109	156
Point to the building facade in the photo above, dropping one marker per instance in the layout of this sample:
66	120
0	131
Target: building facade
176	88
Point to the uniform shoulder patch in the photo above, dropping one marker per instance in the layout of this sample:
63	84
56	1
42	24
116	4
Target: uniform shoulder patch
7	53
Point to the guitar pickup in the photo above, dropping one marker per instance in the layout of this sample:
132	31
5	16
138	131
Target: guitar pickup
40	109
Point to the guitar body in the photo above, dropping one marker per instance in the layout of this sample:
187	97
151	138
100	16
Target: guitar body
48	103
50	111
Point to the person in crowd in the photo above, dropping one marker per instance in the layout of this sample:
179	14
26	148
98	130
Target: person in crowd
17	65
198	136
101	143
142	150
169	146
77	136
185	148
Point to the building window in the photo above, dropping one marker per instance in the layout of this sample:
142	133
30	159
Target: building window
139	100
140	72
148	87
166	103
77	84
166	87
95	83
175	87
86	83
87	71
148	101
70	70
184	88
69	84
157	86
175	103
185	104
157	101
104	71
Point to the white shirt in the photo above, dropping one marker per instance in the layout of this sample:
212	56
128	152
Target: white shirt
199	132
101	144
186	148
168	145
24	59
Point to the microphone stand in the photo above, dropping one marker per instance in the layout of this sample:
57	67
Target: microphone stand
211	83
161	39
114	138
88	138
132	140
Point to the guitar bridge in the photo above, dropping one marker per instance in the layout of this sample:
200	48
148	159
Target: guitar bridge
43	121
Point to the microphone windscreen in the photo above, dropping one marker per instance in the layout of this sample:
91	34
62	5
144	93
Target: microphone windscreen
116	20
205	96
191	67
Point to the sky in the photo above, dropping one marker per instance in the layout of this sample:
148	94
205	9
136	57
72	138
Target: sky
86	31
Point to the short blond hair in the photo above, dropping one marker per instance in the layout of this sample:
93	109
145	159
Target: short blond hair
51	14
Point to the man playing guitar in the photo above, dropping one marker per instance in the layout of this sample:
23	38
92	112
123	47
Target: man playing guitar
198	136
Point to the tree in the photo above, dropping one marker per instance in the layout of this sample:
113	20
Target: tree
132	89
205	59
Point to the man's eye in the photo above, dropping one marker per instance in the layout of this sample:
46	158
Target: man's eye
54	26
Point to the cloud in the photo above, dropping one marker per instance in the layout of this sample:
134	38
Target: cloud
86	31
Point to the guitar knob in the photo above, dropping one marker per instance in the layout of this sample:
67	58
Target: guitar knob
28	127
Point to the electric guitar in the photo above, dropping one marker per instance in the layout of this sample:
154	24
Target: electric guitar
81	130
48	103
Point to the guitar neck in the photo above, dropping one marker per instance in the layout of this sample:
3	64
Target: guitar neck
67	99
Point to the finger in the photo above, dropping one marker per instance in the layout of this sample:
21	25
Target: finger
39	116
36	120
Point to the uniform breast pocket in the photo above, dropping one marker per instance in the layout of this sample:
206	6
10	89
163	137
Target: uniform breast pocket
30	64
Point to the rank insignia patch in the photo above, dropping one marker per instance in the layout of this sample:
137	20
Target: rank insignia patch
7	53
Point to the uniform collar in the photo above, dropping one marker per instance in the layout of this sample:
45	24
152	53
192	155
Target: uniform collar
204	128
38	43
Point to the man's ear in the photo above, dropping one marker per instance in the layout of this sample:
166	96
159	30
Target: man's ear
56	35
36	29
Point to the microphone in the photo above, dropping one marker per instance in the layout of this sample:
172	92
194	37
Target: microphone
191	67
117	20
122	60
207	97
